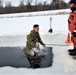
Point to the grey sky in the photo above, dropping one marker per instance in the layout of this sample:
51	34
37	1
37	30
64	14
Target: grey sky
16	2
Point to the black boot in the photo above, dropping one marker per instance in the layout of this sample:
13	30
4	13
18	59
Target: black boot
34	63
73	53
36	66
71	50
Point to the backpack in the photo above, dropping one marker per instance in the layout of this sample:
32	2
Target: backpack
72	22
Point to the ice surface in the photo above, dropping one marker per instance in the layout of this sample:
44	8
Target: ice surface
62	62
20	27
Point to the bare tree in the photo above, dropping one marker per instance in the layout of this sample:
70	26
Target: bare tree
8	7
29	4
55	4
63	4
45	3
39	5
21	3
1	3
1	6
58	4
22	6
8	4
36	2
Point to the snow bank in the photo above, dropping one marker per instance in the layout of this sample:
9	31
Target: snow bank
19	24
39	13
22	26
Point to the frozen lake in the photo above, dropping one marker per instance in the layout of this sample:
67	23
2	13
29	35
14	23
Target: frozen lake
61	63
13	32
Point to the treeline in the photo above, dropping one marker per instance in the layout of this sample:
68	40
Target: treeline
30	6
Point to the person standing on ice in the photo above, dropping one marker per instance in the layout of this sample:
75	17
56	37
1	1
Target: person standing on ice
33	40
72	26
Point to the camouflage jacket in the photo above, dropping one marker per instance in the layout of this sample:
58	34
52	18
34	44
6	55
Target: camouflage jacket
31	41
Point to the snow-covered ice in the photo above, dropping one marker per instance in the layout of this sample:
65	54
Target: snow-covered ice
13	32
62	62
22	25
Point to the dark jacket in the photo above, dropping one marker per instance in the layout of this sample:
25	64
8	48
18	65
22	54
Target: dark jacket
72	1
73	8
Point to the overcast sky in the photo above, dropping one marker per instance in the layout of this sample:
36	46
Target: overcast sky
16	2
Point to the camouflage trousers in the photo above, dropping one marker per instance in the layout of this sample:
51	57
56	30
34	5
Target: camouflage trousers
34	63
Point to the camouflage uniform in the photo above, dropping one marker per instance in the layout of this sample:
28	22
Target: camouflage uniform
31	43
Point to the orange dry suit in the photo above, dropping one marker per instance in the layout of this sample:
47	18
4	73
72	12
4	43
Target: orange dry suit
72	22
72	27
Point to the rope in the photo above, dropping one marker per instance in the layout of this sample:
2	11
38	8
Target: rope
58	45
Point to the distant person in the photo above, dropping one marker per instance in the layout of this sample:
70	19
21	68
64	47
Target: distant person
72	26
32	42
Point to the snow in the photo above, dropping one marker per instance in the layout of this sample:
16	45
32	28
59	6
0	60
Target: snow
13	32
60	61
22	25
39	13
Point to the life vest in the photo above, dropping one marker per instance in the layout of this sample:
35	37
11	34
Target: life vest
72	22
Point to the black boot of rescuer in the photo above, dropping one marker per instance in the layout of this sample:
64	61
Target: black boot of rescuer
73	53
71	50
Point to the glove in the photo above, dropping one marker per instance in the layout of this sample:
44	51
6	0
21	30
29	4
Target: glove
43	45
37	46
32	53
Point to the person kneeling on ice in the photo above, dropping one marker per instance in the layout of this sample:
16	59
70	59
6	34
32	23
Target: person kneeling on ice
32	46
72	26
